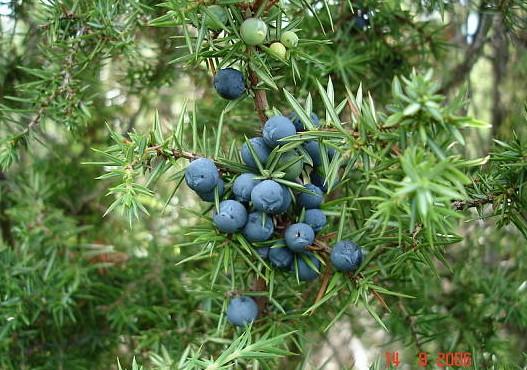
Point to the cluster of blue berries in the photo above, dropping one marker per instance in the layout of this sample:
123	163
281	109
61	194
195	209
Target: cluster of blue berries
262	208
259	204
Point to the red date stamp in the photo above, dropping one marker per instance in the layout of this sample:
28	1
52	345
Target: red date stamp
441	359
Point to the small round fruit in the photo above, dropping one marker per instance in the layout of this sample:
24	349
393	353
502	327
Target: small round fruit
346	256
232	216
295	164
243	186
202	175
305	271
276	128
242	311
316	219
253	31
229	83
221	17
312	147
288	198
263	252
278	50
361	21
310	200
299	236
261	149
255	229
267	197
299	125
281	258
209	196
318	179
289	39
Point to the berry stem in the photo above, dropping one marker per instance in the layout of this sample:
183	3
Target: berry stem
177	153
323	286
260	97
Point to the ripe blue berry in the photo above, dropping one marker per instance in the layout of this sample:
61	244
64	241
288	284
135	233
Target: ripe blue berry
299	125
287	200
360	21
231	217
261	149
263	252
312	147
276	128
243	185
315	218
242	311
299	236
281	258
267	197
209	196
309	200
305	271
201	175
318	179
346	256
253	31
256	230
229	83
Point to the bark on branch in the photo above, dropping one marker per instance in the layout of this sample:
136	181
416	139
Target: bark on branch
472	54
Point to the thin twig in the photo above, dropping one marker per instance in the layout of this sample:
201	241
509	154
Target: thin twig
66	80
460	205
328	272
260	97
411	324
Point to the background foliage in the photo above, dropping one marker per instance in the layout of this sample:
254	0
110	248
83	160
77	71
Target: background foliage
436	198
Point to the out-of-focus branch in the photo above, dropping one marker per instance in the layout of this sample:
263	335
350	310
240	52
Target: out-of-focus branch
499	68
460	205
472	54
260	98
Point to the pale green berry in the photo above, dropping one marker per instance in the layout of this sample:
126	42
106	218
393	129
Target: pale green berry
278	49
219	13
293	171
253	31
289	39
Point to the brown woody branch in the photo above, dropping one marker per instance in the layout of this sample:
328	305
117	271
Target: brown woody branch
260	97
472	54
267	3
460	205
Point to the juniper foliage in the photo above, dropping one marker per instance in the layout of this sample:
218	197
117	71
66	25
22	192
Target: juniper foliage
103	103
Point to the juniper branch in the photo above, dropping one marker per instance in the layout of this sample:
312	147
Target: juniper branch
66	80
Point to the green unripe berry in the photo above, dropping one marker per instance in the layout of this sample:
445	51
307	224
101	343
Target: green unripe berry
253	31
219	13
289	39
278	50
293	171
